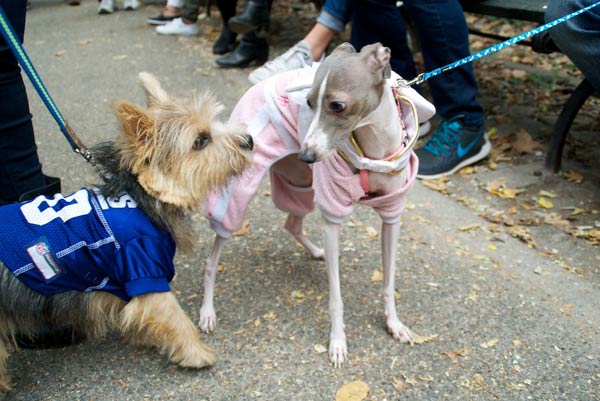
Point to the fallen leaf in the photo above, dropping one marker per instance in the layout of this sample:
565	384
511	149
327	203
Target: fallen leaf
399	385
490	344
547	194
119	57
518	74
440	184
453	355
319	348
377	276
417	339
424	379
244	230
59	53
469	227
84	42
572	176
498	187
491	247
372	233
545	203
524	144
297	294
352	391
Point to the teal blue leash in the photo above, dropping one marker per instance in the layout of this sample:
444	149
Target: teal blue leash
419	79
13	41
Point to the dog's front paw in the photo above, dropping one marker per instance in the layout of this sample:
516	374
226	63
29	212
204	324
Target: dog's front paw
208	319
338	351
399	331
195	355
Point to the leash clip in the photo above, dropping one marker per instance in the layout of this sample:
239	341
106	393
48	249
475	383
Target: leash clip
415	81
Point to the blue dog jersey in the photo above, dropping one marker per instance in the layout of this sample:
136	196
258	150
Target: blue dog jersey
86	242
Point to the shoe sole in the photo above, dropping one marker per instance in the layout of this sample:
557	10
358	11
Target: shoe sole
482	154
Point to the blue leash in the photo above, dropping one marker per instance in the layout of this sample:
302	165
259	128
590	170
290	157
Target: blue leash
419	79
11	38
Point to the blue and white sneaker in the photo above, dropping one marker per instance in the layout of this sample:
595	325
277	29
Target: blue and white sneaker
451	147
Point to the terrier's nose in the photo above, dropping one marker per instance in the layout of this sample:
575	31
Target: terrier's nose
307	156
247	142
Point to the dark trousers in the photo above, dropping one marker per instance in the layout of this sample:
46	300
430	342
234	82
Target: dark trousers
20	168
443	35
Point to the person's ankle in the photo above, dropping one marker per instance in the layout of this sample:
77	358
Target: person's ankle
170	11
187	21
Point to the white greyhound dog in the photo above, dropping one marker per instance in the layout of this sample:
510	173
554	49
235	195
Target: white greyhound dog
336	134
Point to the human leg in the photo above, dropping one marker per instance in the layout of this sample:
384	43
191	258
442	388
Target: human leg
579	37
459	141
226	40
331	20
185	24
20	168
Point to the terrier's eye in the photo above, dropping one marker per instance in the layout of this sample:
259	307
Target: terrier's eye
337	107
201	141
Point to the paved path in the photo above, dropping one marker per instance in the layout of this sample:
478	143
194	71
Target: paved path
513	322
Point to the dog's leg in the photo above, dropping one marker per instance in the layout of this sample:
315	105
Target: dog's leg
159	320
4	379
389	235
293	225
337	338
208	317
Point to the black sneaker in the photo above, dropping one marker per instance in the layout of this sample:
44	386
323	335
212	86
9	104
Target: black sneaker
451	147
161	19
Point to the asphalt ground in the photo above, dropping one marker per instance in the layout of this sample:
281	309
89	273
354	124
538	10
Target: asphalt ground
512	319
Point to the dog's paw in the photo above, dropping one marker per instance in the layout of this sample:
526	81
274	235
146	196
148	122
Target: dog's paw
208	319
337	352
195	356
399	331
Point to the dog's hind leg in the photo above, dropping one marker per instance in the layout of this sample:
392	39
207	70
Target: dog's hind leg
293	225
389	239
208	316
4	379
338	350
158	320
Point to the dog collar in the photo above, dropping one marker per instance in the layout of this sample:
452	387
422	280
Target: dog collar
393	164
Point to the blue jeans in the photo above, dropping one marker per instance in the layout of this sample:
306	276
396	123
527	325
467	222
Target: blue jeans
579	37
335	14
20	169
443	35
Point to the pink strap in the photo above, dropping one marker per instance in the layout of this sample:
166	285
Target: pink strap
364	180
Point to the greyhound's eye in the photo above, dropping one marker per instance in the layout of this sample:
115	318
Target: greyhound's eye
201	141
309	104
337	107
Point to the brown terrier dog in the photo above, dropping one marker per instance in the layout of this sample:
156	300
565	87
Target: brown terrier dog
112	268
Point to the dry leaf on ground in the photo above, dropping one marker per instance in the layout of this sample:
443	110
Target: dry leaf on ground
523	143
244	230
498	187
417	339
352	391
572	176
453	355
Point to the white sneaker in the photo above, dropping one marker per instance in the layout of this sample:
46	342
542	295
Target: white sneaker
129	5
106	7
178	27
297	56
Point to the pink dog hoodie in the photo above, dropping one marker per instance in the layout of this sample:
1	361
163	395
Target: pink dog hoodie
277	116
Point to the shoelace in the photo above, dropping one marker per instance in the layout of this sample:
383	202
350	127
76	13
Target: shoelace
444	139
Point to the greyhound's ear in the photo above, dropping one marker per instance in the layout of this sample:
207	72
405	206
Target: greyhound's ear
156	94
344	48
378	59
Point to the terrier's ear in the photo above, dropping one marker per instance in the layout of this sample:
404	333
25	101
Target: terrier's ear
344	48
155	93
378	59
137	124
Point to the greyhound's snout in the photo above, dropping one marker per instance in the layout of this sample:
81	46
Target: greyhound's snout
307	156
246	142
